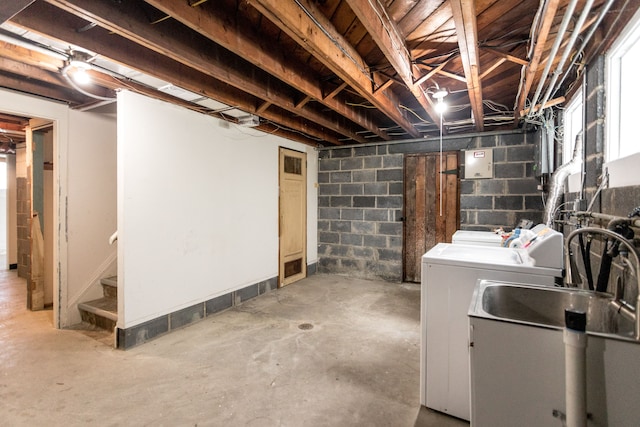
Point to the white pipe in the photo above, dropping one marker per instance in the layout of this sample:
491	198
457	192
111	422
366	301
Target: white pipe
554	51
575	362
567	50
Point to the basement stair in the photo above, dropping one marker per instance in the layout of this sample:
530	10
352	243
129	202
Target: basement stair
102	312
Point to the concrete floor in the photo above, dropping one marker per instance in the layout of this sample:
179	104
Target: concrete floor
249	366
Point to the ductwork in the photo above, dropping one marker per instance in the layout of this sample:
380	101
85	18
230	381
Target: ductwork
558	178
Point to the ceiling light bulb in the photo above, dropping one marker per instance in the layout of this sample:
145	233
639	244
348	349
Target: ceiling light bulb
81	76
440	107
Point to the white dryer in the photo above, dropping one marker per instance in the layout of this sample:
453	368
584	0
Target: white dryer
449	275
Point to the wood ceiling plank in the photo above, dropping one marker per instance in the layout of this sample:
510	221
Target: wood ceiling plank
388	38
8	9
311	29
40	16
420	13
228	31
182	47
399	8
464	16
506	56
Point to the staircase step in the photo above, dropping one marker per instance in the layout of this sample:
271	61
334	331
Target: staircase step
102	312
110	286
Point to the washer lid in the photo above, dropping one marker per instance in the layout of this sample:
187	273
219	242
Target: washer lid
488	237
486	258
477	254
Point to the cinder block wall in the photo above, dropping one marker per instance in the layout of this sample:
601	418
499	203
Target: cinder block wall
612	201
359	212
512	195
360	203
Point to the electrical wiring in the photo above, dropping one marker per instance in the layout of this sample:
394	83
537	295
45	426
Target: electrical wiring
280	127
353	104
415	114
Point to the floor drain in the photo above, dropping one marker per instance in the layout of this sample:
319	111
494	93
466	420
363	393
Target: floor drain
305	326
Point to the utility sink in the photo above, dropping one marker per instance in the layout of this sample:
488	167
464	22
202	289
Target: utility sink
544	306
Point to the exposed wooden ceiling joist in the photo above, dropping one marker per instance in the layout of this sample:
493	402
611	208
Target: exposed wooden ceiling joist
133	24
302	21
226	30
39	17
388	38
330	71
464	16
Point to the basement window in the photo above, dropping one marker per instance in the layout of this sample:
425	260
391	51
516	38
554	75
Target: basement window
572	125
623	61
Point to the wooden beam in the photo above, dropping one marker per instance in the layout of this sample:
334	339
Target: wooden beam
549	103
534	62
386	34
506	56
464	17
263	107
337	90
431	73
225	29
495	65
303	102
132	23
28	56
31	72
444	73
35	87
46	19
303	22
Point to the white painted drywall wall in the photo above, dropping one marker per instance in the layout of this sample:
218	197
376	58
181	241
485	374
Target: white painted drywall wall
197	207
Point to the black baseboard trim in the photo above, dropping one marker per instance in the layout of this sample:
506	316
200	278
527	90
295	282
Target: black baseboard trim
312	269
139	334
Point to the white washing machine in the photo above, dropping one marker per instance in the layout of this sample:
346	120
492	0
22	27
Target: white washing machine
449	275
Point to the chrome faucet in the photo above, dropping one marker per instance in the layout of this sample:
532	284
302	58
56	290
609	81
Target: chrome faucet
624	308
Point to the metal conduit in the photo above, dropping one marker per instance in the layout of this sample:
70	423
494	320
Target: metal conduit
554	51
586	40
567	50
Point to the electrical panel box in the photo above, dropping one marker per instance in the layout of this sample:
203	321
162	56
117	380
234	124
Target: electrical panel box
478	163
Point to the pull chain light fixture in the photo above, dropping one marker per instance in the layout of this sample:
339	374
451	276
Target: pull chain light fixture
440	108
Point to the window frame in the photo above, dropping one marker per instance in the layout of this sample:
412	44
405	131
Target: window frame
629	38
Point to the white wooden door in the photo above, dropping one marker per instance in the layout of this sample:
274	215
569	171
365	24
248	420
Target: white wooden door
293	216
